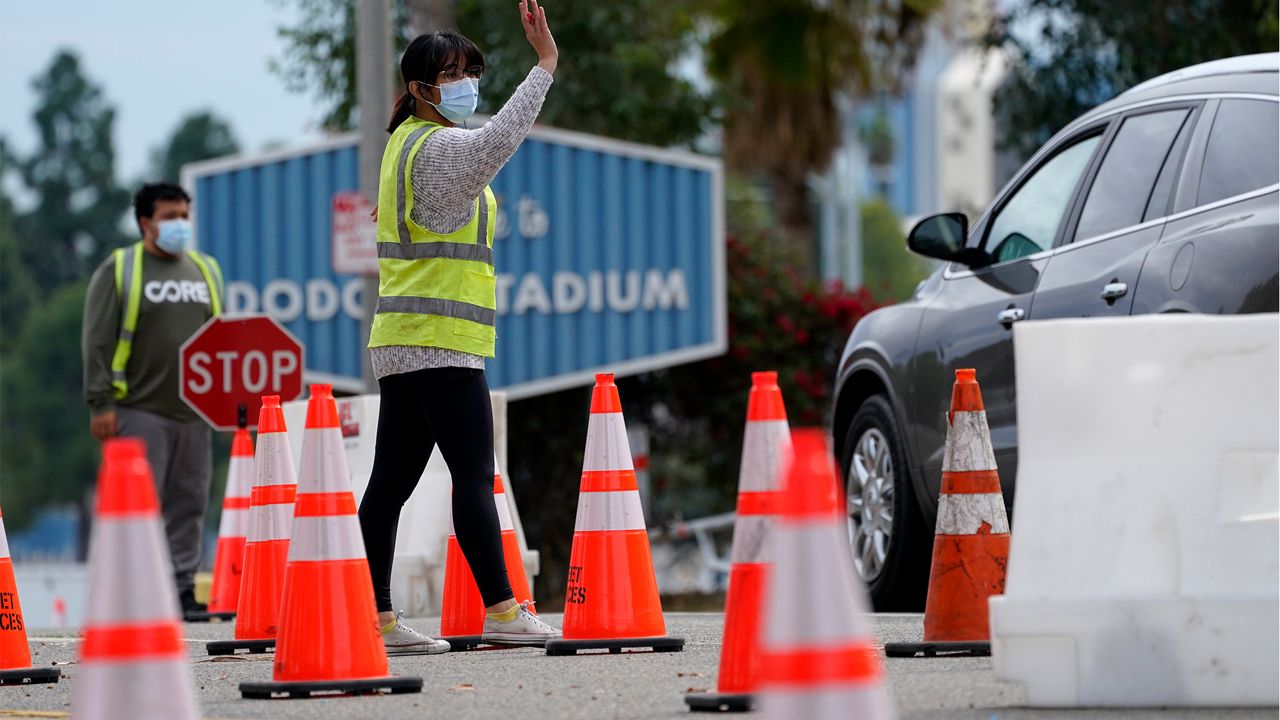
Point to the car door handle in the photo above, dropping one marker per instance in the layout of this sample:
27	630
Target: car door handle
1113	291
1011	315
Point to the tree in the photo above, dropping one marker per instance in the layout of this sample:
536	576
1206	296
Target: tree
618	76
1066	56
891	272
200	136
782	64
46	453
18	291
78	208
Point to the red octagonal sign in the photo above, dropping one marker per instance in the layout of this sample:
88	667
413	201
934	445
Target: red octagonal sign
231	362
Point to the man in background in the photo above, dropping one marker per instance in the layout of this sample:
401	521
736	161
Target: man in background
144	301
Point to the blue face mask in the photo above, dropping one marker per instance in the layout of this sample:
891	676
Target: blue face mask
175	236
458	100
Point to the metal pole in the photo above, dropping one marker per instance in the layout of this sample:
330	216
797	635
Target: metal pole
374	93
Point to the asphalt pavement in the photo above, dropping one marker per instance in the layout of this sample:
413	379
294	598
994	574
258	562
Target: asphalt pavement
525	684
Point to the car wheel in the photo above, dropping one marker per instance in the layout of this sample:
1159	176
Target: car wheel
887	532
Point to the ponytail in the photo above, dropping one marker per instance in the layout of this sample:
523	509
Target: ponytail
401	112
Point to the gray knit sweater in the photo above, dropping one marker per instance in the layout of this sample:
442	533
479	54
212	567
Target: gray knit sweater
450	170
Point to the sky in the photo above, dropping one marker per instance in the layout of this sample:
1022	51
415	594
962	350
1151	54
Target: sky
157	61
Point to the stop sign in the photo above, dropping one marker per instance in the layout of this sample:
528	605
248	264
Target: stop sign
231	362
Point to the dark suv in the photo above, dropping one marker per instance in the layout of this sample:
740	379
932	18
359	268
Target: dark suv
1161	200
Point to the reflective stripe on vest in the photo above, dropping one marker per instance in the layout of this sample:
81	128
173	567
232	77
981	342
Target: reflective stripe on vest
435	289
128	271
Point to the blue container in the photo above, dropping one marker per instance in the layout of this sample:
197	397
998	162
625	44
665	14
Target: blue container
610	256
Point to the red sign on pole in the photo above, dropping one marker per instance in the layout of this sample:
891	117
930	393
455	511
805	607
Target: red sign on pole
355	235
230	362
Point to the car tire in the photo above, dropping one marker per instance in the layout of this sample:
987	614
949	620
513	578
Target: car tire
900	582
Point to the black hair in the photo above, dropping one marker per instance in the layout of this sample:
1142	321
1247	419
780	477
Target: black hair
423	60
144	201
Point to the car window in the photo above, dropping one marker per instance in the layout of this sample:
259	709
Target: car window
1029	221
1128	172
1242	150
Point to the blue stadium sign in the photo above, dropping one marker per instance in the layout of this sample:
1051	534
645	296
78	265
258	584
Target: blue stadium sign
610	255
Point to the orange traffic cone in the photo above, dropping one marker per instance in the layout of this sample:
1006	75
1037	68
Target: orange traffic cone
462	612
971	541
612	597
266	548
765	444
329	640
133	661
818	651
15	655
228	559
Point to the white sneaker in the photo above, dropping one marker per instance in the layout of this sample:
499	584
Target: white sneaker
403	639
525	629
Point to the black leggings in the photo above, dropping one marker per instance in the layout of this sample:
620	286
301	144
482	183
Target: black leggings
448	407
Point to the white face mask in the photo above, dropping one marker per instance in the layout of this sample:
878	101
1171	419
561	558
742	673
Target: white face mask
458	100
174	236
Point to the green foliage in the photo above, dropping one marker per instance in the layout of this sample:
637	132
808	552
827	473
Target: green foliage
79	207
46	453
1068	55
617	73
200	136
18	290
320	58
890	271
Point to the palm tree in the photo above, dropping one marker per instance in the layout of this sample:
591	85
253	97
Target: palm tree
782	64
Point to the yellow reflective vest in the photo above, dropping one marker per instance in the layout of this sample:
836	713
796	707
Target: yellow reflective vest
128	266
434	289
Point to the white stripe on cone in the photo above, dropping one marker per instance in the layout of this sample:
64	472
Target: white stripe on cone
611	510
270	522
137	690
234	523
766	444
504	513
812	581
4	542
750	533
964	514
239	477
969	444
130	576
329	537
324	462
273	464
607	445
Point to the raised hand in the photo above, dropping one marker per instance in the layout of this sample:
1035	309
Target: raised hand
534	21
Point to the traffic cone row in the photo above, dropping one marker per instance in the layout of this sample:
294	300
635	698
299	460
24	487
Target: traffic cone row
15	654
971	541
462	610
228	562
328	638
266	550
133	660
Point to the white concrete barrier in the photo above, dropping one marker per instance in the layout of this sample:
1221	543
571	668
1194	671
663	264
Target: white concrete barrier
1143	567
417	573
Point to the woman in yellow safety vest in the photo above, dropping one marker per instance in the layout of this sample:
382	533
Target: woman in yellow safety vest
434	323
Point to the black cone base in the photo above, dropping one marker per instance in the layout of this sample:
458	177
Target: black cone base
231	647
30	676
201	617
720	702
463	642
269	690
657	644
938	649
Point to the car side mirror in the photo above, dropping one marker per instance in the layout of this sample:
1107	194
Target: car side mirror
940	236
